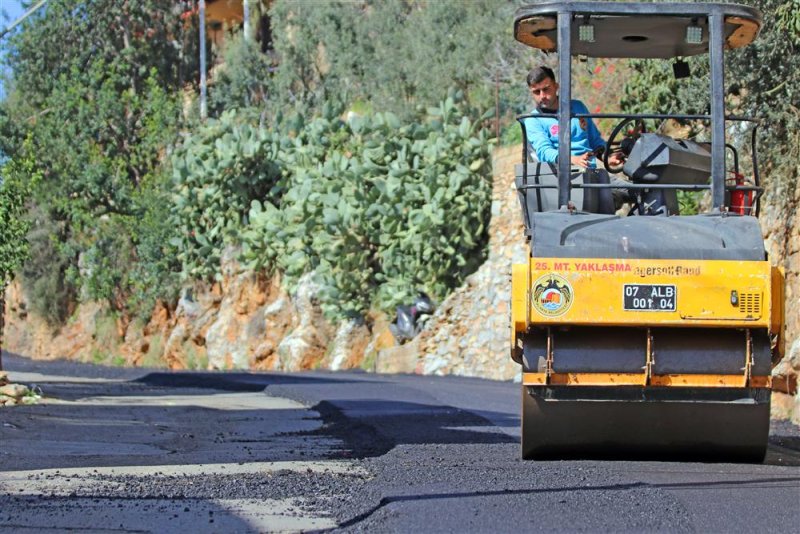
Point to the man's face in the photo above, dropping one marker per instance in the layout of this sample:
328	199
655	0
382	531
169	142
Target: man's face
545	93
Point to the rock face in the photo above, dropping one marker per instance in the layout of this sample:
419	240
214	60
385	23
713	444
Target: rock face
782	237
786	396
243	322
306	343
27	333
349	346
238	327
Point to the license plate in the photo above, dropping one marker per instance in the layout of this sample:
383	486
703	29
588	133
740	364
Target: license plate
649	297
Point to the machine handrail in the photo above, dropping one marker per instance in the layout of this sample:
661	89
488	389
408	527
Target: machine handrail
738	118
686	187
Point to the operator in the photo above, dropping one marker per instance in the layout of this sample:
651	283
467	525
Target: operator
542	132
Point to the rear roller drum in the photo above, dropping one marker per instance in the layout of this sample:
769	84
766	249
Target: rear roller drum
555	425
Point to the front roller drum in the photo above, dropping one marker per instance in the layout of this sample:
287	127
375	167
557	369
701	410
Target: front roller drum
625	422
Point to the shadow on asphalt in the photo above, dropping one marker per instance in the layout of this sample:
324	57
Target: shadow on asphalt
219	380
374	427
371	427
228	381
93	510
144	435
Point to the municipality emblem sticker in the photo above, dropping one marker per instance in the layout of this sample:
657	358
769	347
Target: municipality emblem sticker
552	295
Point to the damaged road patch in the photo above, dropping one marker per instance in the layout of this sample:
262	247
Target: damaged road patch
136	456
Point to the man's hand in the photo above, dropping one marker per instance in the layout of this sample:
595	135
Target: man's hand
581	161
616	159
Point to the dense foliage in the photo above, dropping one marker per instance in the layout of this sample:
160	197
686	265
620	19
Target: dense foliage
16	179
765	82
217	173
333	148
380	209
97	89
243	79
395	55
377	208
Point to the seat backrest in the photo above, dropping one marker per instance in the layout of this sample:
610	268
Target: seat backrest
540	199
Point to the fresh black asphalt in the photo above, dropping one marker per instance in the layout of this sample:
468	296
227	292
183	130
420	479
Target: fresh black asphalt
429	454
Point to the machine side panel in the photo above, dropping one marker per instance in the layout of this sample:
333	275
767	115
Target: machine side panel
520	302
778	312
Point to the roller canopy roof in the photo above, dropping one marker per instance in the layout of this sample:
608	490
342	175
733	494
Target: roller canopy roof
635	30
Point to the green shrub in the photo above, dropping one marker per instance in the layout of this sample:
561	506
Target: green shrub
511	135
360	51
242	81
218	171
153	357
195	360
155	275
17	179
106	261
378	209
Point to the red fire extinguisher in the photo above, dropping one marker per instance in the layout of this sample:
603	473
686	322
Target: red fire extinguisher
741	201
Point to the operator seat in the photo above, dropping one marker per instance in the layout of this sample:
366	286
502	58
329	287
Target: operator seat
533	200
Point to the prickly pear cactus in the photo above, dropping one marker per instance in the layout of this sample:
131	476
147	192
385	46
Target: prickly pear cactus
379	209
225	165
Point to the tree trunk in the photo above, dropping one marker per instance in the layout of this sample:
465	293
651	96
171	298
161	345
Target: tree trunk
246	22
2	319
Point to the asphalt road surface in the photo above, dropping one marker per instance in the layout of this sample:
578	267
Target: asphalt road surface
131	450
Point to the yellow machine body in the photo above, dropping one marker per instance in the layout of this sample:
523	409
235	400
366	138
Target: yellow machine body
561	293
711	293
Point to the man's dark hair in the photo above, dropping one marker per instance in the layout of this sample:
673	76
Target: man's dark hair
539	74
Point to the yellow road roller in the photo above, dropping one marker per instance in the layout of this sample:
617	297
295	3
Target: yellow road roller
641	330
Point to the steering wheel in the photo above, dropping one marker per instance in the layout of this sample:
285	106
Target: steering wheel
638	129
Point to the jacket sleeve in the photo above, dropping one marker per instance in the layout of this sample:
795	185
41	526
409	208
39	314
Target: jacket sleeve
539	140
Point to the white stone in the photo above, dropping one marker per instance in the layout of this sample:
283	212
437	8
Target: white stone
14	390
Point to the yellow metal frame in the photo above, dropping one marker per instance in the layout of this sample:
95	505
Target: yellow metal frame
551	378
745	295
710	293
641	379
777	323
